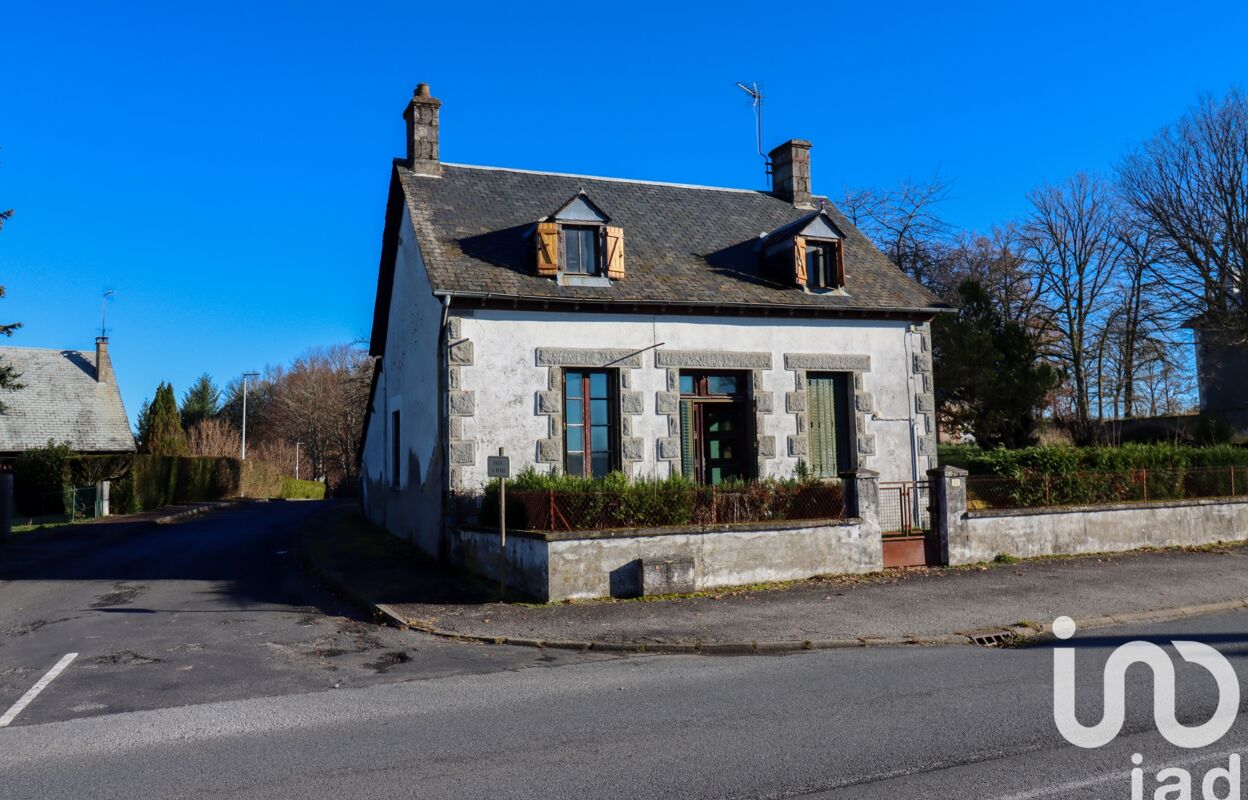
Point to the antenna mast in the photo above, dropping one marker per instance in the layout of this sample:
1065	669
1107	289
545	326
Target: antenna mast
104	312
756	102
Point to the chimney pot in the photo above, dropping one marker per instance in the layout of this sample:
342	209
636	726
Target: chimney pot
790	172
422	132
103	364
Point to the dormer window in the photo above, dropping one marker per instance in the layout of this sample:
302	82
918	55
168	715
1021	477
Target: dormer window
823	265
810	250
576	246
581	253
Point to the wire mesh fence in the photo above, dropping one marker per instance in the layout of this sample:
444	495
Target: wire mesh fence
69	504
560	510
904	508
1039	490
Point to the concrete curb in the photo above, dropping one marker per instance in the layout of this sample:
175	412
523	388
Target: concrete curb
191	512
1017	635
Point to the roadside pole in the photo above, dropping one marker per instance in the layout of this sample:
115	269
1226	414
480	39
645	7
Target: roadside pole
499	466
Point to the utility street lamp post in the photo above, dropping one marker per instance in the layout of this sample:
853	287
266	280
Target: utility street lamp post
246	376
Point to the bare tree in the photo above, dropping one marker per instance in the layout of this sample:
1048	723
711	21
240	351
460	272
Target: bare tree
1071	242
1190	183
214	437
904	223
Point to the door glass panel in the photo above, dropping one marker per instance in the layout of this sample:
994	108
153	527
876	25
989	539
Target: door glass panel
598	438
601	464
572	384
598	411
597	384
576	464
576	438
574	412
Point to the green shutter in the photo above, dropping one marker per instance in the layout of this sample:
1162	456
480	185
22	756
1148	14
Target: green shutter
687	462
823	428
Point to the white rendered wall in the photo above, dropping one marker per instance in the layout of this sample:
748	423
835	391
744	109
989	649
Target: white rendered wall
504	377
408	384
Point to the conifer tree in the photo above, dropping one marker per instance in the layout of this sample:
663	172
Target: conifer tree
165	436
201	401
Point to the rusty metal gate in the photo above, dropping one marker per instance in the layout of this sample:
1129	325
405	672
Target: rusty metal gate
905	521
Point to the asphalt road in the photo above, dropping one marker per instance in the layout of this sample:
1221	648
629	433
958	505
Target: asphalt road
212	608
480	722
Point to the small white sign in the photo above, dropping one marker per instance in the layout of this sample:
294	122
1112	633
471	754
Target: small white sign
498	466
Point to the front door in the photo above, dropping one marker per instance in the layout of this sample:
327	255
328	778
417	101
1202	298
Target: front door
714	424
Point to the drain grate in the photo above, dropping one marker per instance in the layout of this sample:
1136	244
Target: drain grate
991	638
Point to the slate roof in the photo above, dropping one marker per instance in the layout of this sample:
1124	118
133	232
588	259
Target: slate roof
61	400
684	245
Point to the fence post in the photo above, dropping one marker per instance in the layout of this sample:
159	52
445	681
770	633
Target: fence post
947	488
714	509
1145	471
550	514
6	502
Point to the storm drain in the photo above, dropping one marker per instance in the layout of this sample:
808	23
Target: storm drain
991	638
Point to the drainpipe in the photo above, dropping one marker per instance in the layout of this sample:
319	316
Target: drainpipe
444	357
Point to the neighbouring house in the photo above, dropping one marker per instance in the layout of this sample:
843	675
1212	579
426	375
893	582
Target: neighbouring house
1222	377
66	396
590	325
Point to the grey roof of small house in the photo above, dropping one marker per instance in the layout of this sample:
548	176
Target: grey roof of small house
62	401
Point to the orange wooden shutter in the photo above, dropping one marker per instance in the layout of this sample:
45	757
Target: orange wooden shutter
615	252
840	264
799	260
547	248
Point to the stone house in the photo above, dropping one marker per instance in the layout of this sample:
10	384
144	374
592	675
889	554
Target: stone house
588	325
65	396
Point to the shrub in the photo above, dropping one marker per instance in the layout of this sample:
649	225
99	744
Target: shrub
1065	460
546	501
304	490
38	479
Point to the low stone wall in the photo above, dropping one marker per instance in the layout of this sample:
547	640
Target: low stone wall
1097	529
587	564
969	537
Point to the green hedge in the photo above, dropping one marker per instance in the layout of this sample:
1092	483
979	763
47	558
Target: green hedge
303	490
540	501
1066	460
141	481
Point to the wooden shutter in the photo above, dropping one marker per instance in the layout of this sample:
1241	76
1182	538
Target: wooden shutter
840	264
688	441
615	252
547	240
799	260
823	433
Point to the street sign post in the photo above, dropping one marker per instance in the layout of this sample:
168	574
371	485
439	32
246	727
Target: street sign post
499	466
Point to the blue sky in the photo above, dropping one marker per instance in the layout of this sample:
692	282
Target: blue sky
223	167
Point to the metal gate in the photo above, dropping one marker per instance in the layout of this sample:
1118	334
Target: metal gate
906	524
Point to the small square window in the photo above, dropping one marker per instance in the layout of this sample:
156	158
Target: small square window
822	265
580	249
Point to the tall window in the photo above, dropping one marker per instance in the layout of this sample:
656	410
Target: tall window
714	424
830	448
396	453
822	265
589	411
580	249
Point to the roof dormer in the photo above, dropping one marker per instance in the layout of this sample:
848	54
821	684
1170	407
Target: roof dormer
809	252
578	246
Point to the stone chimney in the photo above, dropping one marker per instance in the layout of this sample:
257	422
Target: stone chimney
790	171
103	364
422	132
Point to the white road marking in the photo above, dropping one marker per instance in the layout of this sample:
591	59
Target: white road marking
25	699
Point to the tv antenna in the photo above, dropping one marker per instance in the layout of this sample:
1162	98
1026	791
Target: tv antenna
756	102
104	311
